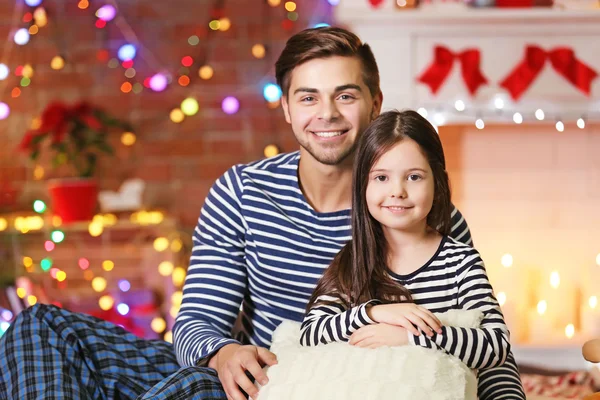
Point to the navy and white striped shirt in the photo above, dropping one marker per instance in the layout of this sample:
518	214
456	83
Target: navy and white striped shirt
454	278
260	248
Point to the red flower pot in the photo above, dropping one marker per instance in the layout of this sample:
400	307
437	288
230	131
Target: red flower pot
74	199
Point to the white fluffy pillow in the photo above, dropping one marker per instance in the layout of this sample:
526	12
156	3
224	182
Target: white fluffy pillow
340	371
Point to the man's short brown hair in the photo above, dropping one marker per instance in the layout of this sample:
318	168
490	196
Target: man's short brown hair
325	42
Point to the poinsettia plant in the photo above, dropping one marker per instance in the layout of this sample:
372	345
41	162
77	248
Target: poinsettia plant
78	134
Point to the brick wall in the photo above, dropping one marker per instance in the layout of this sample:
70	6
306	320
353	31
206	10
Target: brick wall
178	161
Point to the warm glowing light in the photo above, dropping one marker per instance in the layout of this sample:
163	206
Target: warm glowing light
178	276
126	87
555	279
542	306
61	276
158	325
95	228
593	302
507	260
177	298
258	51
224	24
176	245
21	292
190	106
184	80
106	302
177	115
501	298
38	172
271	151
128	138
32	300
99	284
108	265
57	63
161	244
165	268
290	6
206	72
570	331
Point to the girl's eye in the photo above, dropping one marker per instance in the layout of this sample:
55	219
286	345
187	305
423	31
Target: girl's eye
381	178
414	177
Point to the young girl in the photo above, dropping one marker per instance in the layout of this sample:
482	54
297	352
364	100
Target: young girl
400	267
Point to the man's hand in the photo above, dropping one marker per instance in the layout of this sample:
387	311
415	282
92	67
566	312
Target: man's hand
233	360
406	315
377	335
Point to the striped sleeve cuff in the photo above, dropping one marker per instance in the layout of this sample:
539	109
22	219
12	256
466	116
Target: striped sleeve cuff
422	340
363	315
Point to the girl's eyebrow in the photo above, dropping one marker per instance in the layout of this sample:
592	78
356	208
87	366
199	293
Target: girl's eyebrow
409	170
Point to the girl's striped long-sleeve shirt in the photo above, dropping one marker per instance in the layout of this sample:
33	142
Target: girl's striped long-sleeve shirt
258	251
454	278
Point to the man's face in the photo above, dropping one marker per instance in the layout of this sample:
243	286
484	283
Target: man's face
329	106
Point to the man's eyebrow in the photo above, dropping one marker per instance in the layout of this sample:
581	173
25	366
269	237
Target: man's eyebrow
337	89
348	86
306	90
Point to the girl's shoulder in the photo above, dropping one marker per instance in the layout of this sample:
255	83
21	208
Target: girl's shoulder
459	251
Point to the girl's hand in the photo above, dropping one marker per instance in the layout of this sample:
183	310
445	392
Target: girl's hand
406	315
377	335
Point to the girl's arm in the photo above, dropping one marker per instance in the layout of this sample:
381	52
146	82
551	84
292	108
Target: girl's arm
329	321
483	347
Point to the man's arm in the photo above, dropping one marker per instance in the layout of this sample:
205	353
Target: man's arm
459	228
216	279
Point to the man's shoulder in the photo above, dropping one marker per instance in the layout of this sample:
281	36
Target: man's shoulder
281	164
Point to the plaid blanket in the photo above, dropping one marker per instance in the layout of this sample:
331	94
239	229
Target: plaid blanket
50	353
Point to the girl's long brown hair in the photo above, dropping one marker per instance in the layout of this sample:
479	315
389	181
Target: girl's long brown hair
359	271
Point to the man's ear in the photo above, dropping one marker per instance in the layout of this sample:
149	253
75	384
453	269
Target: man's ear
377	102
286	110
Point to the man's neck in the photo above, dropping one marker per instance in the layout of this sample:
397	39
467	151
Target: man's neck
327	188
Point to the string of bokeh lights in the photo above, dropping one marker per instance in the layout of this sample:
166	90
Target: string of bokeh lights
125	56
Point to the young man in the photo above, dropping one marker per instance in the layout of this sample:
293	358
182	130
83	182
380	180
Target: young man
266	233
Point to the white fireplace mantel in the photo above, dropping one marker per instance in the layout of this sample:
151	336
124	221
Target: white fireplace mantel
403	42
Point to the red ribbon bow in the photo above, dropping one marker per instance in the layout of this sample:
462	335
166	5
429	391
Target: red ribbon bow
440	68
563	61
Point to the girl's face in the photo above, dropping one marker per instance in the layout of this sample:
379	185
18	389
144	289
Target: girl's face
400	190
